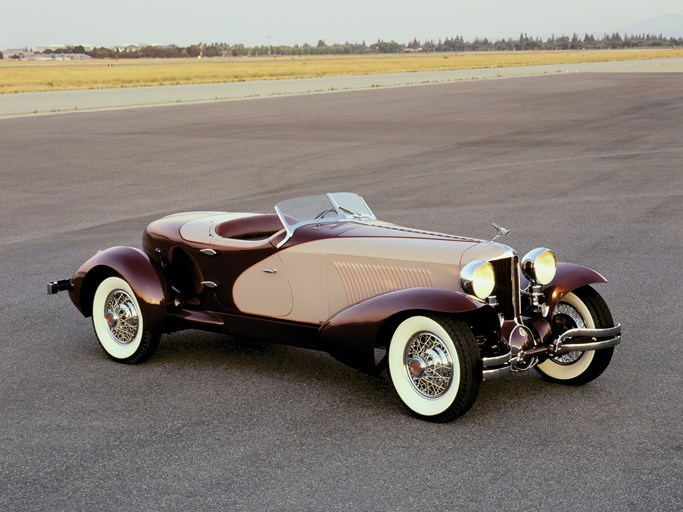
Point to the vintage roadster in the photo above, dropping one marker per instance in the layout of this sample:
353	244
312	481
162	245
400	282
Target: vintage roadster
439	312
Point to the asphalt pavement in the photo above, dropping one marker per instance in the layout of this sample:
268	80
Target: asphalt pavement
589	165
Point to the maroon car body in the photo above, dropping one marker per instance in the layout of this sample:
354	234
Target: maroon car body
440	312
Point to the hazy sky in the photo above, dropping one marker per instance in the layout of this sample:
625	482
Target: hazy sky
34	23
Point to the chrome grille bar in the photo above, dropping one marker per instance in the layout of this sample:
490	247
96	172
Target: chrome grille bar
506	289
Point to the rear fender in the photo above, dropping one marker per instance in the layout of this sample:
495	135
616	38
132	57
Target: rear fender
136	268
568	277
352	334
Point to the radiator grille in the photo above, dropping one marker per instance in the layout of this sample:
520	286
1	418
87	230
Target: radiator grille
505	290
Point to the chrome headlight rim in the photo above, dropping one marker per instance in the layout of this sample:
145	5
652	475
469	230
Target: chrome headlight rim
539	265
477	278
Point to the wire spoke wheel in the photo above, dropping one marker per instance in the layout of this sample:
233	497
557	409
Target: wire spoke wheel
429	364
435	366
119	323
121	316
567	317
581	308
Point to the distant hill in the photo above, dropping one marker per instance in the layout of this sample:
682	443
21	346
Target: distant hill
669	25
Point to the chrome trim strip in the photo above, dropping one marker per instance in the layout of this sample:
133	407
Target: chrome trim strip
516	290
430	233
489	362
289	230
208	252
209	284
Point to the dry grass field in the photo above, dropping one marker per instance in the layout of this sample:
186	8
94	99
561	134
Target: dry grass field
33	76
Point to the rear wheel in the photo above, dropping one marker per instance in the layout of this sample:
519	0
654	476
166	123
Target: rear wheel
119	324
582	308
435	366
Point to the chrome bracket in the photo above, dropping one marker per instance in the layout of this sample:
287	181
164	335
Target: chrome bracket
516	362
536	298
555	346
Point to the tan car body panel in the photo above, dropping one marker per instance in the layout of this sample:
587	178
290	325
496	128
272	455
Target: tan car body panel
326	276
360	268
485	251
203	230
264	289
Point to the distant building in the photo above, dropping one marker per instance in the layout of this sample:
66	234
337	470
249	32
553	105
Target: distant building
62	56
130	48
19	54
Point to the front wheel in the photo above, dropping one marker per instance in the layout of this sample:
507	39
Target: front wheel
119	324
582	308
435	366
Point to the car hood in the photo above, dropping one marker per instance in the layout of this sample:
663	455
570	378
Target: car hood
389	241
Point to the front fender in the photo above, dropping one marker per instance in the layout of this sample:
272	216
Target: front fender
568	277
131	264
352	334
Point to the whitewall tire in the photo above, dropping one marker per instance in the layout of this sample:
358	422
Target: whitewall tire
435	366
119	323
582	308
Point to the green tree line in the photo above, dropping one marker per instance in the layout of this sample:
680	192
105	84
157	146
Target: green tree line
455	44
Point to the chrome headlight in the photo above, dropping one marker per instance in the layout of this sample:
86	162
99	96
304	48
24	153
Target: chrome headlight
477	278
539	266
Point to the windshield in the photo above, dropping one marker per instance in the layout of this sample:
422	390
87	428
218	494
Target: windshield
333	207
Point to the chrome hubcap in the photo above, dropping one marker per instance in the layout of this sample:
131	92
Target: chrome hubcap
428	364
121	317
571	317
417	366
